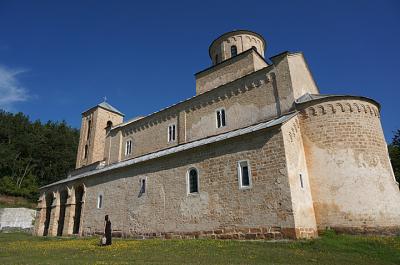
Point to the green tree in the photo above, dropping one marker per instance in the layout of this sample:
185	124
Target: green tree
33	154
394	152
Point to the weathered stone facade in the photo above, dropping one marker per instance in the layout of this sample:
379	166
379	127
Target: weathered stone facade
285	161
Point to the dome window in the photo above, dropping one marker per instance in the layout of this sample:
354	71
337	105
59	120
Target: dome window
233	50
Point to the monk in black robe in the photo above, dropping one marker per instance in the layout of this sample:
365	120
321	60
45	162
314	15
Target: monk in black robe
107	230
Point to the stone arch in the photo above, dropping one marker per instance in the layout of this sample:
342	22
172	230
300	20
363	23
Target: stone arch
363	106
331	107
341	106
109	125
357	107
79	192
349	106
312	111
49	200
322	109
375	111
369	109
63	198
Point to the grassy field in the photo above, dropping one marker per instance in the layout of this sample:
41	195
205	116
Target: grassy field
18	248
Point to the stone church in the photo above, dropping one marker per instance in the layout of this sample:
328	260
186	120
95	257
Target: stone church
257	153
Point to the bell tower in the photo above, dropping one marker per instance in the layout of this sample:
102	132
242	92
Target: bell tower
96	122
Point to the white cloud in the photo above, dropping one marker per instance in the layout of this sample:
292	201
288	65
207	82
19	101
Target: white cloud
11	91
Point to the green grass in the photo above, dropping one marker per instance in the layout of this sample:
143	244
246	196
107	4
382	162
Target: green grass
18	248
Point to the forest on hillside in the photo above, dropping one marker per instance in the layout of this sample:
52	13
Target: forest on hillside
394	153
33	154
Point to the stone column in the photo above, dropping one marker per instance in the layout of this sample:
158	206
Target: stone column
39	221
54	215
69	219
40	216
81	219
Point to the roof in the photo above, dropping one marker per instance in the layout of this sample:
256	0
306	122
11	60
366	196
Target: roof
307	97
180	148
106	106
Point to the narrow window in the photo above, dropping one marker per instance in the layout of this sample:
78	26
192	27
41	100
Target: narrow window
128	147
193	180
85	155
99	201
233	51
244	174
89	124
143	185
171	133
221	119
301	180
255	48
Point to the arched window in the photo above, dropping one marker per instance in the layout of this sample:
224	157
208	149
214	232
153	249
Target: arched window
89	127
100	201
85	154
128	147
193	181
255	48
233	50
109	124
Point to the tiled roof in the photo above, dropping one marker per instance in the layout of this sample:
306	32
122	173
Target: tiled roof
307	97
107	106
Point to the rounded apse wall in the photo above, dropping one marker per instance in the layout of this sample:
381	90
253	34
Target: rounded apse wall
352	181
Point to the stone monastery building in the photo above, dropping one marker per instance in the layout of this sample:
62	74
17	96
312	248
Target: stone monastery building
258	152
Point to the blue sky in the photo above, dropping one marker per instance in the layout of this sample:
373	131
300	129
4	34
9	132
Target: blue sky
58	58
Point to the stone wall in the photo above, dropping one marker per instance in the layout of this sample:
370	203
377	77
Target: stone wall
352	182
228	71
21	218
302	201
300	76
220	210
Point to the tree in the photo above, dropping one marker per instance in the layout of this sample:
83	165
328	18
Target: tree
33	154
394	153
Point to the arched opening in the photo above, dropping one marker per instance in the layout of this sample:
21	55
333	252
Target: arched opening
233	50
85	154
193	181
109	124
89	124
61	218
78	208
49	202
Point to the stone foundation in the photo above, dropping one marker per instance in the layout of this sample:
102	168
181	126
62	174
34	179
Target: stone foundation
265	233
380	231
